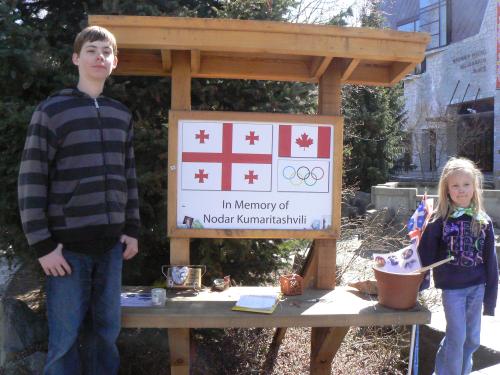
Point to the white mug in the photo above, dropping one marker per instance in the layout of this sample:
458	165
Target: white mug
158	296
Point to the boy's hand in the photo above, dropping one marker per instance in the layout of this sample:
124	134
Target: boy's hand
131	248
54	264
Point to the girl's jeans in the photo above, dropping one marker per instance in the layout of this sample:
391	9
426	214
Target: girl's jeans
463	309
87	302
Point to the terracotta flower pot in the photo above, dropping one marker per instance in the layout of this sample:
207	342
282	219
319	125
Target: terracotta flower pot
397	291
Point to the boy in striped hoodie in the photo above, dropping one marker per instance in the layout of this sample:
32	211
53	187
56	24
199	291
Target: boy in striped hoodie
79	208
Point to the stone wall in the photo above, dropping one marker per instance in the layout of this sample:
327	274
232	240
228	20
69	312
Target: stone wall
404	200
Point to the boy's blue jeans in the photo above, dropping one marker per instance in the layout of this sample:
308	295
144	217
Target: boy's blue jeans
463	310
87	302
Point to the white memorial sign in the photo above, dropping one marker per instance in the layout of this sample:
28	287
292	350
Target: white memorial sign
254	175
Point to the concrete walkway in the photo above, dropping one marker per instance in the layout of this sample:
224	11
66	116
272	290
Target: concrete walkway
490	327
493	370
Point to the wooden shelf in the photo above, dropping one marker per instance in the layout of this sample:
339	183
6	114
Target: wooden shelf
342	307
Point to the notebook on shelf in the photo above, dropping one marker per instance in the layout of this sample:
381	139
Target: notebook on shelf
263	303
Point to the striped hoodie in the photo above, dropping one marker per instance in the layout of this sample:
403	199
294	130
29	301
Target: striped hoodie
77	178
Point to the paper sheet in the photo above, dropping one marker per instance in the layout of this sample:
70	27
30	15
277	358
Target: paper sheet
135	299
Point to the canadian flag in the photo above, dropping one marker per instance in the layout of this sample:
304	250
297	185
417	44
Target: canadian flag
306	141
226	156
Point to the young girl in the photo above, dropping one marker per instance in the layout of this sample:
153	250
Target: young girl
461	229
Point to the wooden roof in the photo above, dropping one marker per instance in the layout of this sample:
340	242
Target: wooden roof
264	50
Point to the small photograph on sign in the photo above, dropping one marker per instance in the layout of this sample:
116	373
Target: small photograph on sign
188	221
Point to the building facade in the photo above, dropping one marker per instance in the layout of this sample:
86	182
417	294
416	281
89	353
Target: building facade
451	98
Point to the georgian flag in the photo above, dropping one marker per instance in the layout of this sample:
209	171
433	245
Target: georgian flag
226	156
251	177
306	141
201	176
250	138
200	136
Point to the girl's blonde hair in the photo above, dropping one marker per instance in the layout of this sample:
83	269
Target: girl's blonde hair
445	205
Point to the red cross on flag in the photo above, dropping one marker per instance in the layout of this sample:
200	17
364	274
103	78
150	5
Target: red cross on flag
252	138
251	177
226	156
305	141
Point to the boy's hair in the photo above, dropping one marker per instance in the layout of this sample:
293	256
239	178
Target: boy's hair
454	165
92	34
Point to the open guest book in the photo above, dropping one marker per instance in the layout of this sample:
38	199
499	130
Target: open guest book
263	303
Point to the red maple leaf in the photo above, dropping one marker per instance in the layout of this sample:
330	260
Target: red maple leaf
304	141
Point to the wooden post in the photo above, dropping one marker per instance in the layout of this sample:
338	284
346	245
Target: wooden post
324	345
326	341
330	103
178	339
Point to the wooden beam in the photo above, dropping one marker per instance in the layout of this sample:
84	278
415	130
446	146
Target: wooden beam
217	66
195	61
166	60
325	343
330	102
272	352
239	67
262	42
349	65
370	75
180	100
326	251
179	251
319	65
342	307
398	71
150	63
156	63
330	97
309	270
183	23
179	247
179	343
181	80
263	37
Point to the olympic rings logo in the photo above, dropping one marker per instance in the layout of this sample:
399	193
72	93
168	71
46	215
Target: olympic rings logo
298	176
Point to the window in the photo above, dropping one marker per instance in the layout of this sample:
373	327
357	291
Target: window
422	67
433	20
412	26
475	134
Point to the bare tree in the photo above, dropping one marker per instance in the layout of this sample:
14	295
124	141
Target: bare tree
321	11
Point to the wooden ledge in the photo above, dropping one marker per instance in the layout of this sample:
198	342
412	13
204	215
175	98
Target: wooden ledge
266	50
342	307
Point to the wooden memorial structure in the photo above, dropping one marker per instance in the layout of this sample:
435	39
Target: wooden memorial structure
186	48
